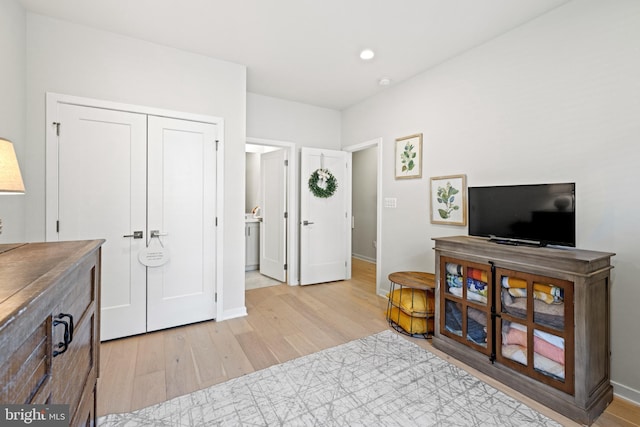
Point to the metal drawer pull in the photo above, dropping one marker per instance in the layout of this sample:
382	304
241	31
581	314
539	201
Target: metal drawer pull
62	316
63	345
68	333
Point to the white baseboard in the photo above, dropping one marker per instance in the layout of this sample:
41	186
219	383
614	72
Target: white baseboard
626	393
232	314
364	258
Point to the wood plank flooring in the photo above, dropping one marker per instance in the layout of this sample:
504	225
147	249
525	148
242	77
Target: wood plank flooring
283	322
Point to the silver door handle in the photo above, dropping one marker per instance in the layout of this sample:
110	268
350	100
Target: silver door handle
305	222
135	235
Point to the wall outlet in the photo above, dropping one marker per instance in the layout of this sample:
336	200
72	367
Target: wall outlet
390	202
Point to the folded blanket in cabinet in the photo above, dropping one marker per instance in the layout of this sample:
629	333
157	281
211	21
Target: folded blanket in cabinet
476	274
517	334
540	363
542	296
471	296
454	269
547	293
551	315
454	281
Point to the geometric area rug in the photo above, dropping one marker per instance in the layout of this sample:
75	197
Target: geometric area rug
379	380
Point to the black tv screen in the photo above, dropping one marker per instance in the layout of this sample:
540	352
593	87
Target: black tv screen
541	214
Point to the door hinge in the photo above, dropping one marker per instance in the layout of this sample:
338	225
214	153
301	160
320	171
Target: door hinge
215	297
285	266
286	162
57	125
216	221
286	215
217	142
58	226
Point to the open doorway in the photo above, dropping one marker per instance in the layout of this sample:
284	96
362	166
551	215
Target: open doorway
367	206
268	214
364	202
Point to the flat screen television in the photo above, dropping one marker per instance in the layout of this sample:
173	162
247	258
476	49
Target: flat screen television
538	214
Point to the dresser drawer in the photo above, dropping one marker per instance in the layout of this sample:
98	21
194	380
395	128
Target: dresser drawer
28	370
75	367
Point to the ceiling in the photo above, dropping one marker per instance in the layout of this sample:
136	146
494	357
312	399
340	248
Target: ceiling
307	50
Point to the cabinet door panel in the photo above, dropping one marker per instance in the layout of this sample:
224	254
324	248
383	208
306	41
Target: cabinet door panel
535	335
466	302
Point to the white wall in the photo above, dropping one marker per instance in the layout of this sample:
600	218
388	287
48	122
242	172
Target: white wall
555	100
281	120
12	109
75	60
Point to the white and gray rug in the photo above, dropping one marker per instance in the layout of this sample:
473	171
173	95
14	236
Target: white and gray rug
380	380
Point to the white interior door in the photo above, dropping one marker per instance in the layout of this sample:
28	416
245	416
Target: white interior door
273	229
181	207
102	195
325	238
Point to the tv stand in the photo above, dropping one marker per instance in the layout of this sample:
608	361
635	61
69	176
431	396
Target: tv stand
494	303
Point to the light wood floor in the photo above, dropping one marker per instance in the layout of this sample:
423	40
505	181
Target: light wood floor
283	322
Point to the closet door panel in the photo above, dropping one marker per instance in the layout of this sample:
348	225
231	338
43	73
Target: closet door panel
181	203
102	195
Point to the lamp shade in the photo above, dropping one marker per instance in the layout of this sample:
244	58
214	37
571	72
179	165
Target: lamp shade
10	178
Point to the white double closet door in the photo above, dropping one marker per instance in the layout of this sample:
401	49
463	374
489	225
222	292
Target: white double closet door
126	177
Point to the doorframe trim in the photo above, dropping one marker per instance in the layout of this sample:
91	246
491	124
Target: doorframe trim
377	142
51	165
292	200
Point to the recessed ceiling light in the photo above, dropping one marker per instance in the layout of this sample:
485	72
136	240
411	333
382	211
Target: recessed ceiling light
367	54
385	81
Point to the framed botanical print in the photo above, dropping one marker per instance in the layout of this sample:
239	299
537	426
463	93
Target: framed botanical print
409	157
449	200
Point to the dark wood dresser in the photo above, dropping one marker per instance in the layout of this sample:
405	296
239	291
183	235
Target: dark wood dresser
49	325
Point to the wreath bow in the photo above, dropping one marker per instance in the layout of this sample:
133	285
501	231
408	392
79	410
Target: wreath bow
323	175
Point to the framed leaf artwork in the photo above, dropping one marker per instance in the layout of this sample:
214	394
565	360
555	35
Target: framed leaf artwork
449	200
409	157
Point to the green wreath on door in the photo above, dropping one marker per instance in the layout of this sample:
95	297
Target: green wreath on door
322	183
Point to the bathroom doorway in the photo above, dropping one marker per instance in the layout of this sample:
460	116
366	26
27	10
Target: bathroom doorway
269	216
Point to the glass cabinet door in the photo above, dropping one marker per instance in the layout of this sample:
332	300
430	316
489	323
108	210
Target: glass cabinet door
535	331
465	302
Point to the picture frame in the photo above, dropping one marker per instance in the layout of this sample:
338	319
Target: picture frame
408	161
448	195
